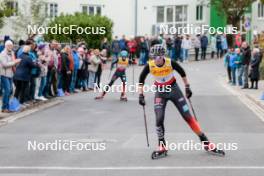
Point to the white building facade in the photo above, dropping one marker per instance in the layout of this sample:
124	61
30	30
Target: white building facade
130	17
257	17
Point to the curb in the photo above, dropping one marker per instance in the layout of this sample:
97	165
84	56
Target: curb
42	106
254	105
261	105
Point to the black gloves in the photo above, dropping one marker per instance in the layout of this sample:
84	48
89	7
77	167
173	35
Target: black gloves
142	100
188	91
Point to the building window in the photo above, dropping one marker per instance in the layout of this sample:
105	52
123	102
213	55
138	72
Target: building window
180	13
99	10
51	10
84	9
169	14
260	10
160	14
13	6
199	12
92	9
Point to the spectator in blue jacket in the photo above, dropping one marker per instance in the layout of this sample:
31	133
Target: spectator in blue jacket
239	69
115	51
232	65
2	47
23	74
76	61
30	92
227	64
123	43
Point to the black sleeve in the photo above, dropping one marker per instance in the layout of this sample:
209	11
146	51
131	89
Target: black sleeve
178	68
144	74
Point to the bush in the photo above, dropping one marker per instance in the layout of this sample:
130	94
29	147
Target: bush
81	20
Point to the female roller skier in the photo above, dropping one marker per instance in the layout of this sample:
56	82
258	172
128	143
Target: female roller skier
120	72
162	70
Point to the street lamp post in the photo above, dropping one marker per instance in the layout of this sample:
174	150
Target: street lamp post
136	18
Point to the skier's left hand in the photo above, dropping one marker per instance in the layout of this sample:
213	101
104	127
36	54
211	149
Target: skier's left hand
142	100
188	91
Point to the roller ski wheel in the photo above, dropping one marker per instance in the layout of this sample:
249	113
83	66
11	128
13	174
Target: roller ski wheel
214	151
159	154
123	99
99	98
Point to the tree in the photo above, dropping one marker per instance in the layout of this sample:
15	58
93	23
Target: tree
234	10
4	12
33	14
83	21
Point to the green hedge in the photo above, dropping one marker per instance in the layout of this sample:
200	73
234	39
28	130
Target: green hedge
81	20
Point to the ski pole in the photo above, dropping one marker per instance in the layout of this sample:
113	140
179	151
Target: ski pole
146	126
133	74
190	102
110	73
111	68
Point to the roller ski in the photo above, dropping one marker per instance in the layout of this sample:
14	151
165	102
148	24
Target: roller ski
161	153
211	149
123	98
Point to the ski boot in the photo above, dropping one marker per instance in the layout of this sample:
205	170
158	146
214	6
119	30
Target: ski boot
123	98
160	153
210	147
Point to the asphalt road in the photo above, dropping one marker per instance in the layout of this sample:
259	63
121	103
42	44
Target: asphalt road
119	125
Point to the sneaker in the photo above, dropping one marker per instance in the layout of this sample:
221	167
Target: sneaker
6	111
37	98
43	98
23	106
76	91
245	86
26	105
67	94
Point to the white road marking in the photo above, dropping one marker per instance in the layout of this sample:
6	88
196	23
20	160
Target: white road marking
132	168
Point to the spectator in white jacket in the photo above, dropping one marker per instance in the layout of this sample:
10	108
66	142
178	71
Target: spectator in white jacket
186	45
95	61
7	63
197	45
213	46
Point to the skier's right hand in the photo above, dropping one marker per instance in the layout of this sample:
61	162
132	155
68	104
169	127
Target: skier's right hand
142	100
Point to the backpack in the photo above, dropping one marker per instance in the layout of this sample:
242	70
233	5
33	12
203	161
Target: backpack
14	105
60	93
